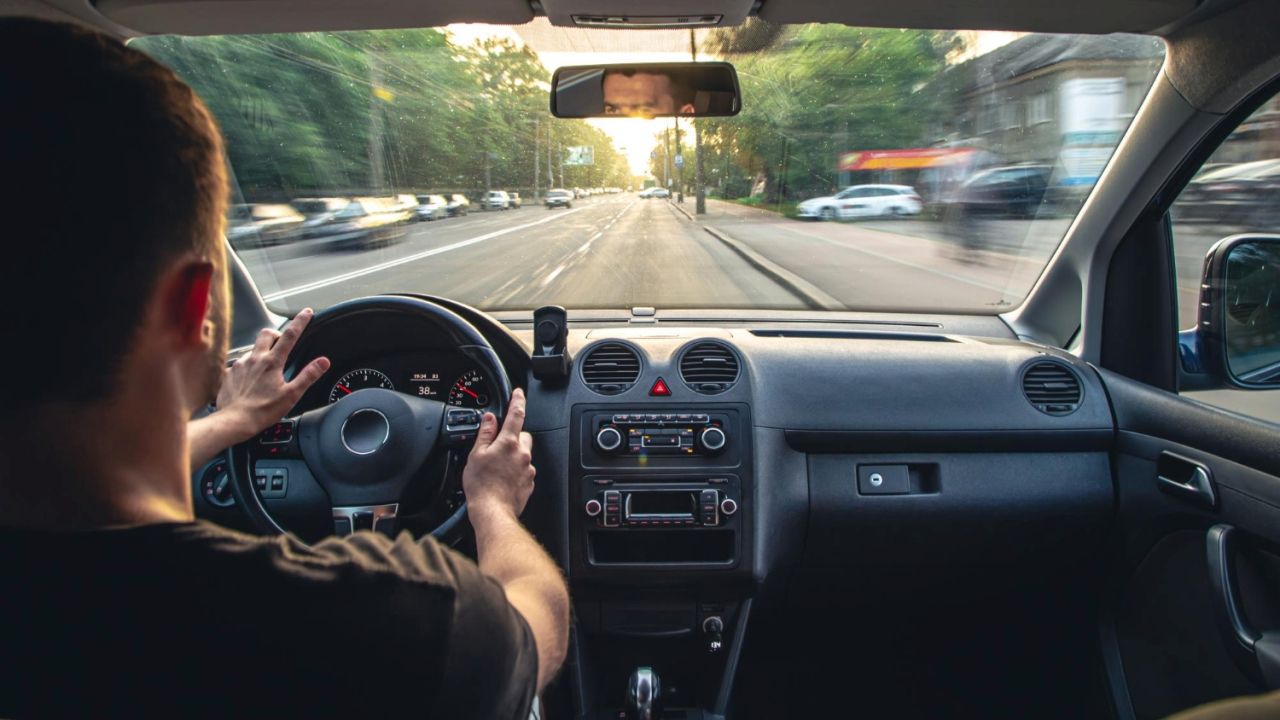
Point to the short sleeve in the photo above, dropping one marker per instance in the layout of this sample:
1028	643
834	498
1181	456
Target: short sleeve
492	666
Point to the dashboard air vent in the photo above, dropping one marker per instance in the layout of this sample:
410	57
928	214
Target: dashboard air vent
610	368
1051	388
709	368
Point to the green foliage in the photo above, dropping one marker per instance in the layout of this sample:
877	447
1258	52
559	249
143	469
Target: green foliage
382	112
813	91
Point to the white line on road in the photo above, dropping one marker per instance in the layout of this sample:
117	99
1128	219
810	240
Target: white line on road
552	276
326	282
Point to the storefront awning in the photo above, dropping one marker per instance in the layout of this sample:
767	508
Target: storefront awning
909	159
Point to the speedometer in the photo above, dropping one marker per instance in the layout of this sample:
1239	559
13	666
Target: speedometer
359	380
470	391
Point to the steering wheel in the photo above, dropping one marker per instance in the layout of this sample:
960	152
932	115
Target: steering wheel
361	457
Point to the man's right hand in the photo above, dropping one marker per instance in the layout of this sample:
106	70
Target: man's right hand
499	473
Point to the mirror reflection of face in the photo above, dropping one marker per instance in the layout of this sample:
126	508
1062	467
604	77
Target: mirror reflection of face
641	94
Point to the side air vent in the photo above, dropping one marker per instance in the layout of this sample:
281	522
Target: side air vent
1051	388
709	368
611	368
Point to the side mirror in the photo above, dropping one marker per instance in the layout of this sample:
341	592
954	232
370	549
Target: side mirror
1236	341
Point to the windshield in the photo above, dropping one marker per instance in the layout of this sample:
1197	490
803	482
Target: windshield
869	169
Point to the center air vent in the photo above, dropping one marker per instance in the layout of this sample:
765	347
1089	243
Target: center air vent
709	368
610	368
1051	388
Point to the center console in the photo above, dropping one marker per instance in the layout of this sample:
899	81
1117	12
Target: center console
660	549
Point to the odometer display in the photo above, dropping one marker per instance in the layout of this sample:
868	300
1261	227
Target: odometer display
470	391
359	380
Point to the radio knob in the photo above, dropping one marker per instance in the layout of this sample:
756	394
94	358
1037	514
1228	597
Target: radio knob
728	506
609	439
593	507
712	439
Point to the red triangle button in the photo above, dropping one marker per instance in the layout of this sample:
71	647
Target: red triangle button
660	388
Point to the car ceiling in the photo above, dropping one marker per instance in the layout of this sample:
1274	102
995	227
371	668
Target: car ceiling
209	17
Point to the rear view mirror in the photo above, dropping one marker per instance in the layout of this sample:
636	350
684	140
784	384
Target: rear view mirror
646	90
1237	335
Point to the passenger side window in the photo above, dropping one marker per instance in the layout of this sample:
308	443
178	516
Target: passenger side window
1236	191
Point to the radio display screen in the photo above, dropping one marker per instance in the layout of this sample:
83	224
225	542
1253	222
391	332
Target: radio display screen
667	504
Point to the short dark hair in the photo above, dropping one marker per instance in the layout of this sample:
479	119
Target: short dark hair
116	171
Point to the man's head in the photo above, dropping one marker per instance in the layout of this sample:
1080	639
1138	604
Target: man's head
113	232
644	94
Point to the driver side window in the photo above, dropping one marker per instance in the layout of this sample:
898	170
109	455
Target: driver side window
1236	191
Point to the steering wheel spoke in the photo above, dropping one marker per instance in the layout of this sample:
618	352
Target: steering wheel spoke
383	518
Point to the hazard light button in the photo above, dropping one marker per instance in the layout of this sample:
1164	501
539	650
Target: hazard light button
660	389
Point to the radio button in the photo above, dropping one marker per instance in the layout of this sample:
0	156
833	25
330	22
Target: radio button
608	439
699	418
713	439
612	508
593	507
709	507
728	506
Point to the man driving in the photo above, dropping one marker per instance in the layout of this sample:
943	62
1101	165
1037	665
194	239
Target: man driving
645	94
117	601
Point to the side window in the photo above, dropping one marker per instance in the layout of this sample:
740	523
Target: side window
1236	191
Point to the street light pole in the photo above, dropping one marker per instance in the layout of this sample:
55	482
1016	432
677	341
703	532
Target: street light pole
700	175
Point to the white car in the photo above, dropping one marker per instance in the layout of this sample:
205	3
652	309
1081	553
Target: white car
863	201
497	200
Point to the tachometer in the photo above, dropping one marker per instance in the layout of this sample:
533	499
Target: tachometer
359	380
471	391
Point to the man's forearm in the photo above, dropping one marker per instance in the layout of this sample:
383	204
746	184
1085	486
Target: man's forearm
533	583
210	435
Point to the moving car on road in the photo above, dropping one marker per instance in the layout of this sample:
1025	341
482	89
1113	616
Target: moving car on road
863	201
558	197
263	224
1015	191
318	211
432	207
513	200
458	205
497	200
366	223
655	192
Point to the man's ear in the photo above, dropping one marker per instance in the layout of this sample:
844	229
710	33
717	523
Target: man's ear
188	302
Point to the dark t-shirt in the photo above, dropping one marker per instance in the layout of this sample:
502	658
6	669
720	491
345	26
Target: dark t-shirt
183	620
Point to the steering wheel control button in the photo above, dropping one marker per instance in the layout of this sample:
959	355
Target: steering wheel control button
279	434
728	507
462	420
883	480
593	507
609	439
365	431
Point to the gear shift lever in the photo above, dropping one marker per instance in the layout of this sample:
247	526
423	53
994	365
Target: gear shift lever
644	693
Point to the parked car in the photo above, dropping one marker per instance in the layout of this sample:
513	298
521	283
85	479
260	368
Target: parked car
1011	191
432	207
1244	191
863	201
318	211
497	200
263	224
655	192
405	203
366	222
559	197
580	193
458	205
514	201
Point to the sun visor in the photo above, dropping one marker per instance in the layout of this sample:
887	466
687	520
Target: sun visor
655	14
1053	16
223	17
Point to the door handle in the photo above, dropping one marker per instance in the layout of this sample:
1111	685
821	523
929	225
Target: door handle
1185	478
1257	654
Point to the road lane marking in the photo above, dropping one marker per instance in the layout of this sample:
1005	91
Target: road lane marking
334	280
552	276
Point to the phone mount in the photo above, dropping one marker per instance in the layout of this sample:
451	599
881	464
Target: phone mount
551	360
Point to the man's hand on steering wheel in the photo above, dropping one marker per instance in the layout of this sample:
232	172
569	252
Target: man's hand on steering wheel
254	393
499	472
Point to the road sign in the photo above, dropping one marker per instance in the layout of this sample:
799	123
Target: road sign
580	155
679	161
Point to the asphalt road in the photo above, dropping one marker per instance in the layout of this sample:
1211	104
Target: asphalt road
608	252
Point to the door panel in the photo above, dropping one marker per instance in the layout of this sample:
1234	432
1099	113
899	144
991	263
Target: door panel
1170	641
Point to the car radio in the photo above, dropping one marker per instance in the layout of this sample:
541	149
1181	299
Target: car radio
702	503
671	433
